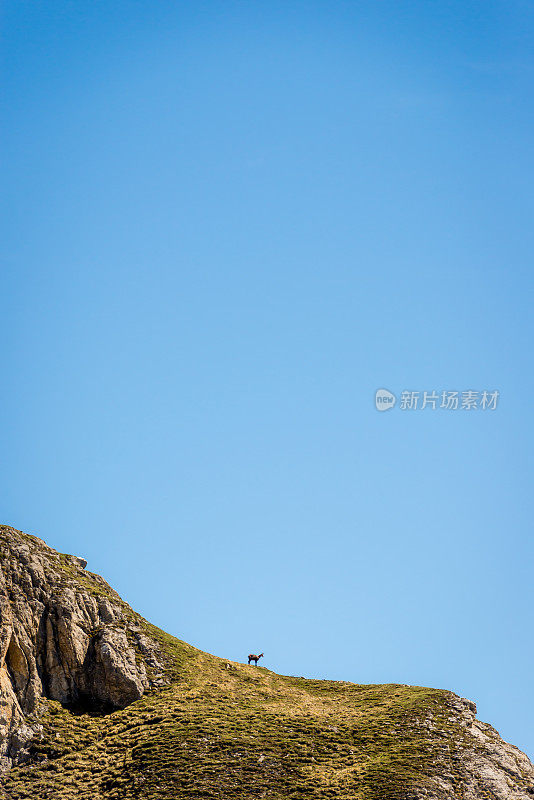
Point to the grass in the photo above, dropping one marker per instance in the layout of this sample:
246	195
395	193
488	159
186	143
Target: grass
225	730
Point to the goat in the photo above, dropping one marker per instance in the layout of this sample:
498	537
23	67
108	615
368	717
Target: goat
254	658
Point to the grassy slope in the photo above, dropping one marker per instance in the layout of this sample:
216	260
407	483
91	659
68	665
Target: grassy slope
226	730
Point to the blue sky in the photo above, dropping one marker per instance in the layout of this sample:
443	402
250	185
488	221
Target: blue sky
225	226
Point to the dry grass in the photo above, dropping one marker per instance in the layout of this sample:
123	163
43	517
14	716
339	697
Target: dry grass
226	730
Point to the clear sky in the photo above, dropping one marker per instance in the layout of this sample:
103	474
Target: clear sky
226	225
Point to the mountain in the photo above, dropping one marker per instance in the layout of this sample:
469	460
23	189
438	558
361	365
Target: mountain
98	704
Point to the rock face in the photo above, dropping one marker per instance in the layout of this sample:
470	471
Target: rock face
490	767
64	635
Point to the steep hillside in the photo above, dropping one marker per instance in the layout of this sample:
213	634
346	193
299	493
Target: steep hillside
98	704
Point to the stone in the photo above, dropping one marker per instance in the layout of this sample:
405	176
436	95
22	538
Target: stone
64	635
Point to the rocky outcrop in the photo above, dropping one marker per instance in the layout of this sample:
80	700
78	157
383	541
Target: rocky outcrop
65	635
482	765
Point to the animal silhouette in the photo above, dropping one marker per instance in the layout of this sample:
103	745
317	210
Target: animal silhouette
254	658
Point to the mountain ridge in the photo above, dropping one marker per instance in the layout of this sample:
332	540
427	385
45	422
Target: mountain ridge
95	702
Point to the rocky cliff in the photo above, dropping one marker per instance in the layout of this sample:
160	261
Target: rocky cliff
64	635
97	704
